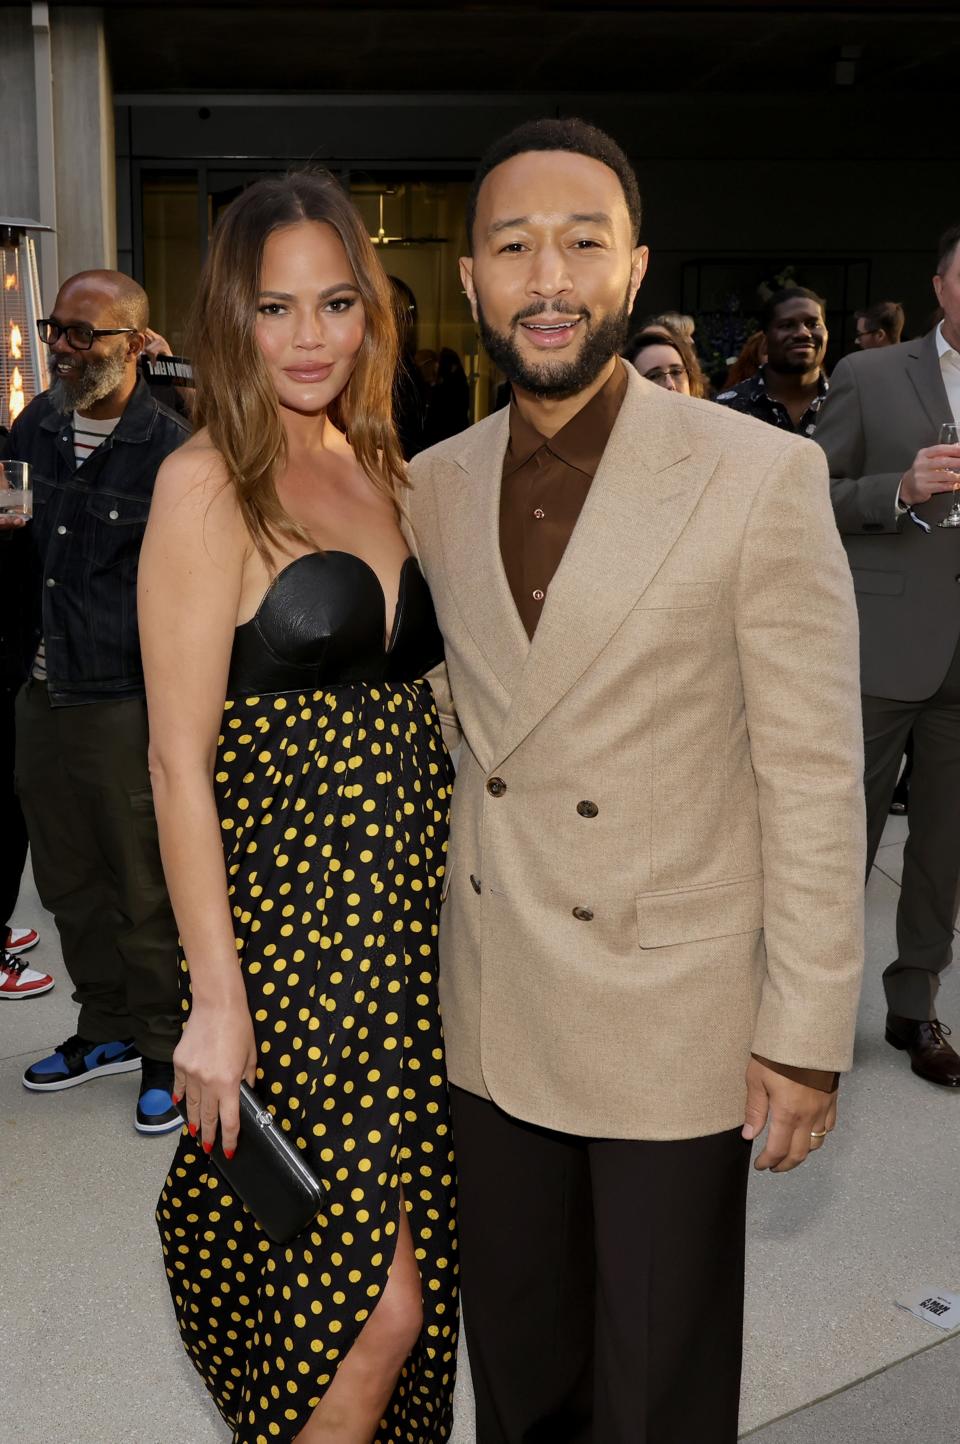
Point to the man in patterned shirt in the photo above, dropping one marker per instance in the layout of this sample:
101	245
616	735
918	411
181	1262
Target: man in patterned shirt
789	390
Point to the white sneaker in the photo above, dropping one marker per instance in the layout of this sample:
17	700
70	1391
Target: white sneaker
19	981
20	940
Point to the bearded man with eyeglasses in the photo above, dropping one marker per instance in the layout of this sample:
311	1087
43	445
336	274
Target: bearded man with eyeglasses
94	442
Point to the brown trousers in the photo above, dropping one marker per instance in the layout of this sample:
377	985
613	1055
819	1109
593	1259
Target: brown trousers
602	1282
82	777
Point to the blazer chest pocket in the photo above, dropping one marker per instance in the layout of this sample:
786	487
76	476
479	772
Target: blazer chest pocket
678	596
876	583
667	918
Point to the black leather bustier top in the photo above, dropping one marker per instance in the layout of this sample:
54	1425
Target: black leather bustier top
323	623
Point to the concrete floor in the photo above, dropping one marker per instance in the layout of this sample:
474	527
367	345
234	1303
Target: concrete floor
92	1355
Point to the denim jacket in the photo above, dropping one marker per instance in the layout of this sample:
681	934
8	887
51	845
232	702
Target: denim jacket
88	525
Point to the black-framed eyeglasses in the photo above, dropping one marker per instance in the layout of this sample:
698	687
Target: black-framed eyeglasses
80	337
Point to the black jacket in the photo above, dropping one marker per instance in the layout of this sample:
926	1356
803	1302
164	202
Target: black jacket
88	525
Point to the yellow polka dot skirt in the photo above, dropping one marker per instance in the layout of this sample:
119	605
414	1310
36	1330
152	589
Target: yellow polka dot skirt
334	808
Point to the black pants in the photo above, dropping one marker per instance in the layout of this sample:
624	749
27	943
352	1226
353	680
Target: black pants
602	1282
85	789
931	858
13	829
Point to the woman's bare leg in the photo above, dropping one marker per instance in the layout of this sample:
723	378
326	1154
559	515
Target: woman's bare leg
354	1404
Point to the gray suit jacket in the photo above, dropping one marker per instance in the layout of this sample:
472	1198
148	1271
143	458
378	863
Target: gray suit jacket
883	406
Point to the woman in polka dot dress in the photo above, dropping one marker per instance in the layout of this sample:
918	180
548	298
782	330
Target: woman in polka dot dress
302	792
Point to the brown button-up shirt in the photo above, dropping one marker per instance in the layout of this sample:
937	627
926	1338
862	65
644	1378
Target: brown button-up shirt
545	484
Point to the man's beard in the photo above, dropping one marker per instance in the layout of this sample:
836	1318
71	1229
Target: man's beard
792	366
92	381
566	378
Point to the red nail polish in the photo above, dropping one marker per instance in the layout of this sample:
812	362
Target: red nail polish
229	1152
208	1148
192	1129
175	1097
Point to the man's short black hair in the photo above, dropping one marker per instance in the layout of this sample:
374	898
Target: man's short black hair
779	298
884	316
949	242
576	136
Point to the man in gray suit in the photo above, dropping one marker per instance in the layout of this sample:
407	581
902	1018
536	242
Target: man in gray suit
891	479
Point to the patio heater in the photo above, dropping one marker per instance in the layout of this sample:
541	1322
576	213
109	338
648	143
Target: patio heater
23	360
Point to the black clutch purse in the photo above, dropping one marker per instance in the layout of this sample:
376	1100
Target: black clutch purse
267	1172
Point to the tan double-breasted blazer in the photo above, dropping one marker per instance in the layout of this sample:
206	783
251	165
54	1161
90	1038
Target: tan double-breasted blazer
657	848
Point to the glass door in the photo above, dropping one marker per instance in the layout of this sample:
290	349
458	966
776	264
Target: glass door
417	223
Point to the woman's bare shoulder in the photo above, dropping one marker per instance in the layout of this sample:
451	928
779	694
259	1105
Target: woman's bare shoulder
195	504
195	474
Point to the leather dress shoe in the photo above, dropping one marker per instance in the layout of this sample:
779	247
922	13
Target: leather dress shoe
931	1056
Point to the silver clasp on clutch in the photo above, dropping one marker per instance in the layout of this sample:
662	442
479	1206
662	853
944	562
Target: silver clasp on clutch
265	1119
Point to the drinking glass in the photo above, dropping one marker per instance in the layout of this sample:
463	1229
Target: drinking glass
16	494
948	437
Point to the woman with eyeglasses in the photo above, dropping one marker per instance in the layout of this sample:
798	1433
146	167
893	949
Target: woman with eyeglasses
671	363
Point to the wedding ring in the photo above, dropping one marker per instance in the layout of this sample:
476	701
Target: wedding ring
819	1135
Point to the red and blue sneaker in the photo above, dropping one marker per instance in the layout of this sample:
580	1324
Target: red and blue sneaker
78	1060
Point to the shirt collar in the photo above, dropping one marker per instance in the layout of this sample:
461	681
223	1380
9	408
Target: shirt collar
943	346
823	386
582	442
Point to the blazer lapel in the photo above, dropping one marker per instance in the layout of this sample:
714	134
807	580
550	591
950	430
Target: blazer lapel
469	520
923	368
641	498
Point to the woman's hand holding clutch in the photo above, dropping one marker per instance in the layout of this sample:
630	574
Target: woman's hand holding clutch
217	1050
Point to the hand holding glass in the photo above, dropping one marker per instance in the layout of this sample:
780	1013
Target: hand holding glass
16	494
948	437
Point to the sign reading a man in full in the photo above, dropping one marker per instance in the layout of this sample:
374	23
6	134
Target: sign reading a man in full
651	945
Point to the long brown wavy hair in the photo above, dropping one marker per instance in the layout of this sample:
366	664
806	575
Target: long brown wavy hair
235	398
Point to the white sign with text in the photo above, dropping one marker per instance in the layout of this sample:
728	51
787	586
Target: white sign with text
934	1306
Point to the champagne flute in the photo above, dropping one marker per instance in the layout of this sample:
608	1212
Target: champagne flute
948	437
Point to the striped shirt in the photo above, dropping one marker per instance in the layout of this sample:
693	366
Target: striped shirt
88	434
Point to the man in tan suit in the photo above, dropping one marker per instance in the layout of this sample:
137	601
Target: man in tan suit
892	481
657	848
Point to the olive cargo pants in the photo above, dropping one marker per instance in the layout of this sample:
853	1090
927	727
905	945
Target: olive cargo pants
85	791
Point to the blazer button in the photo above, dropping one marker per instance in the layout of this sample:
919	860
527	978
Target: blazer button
475	883
496	787
583	915
587	809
